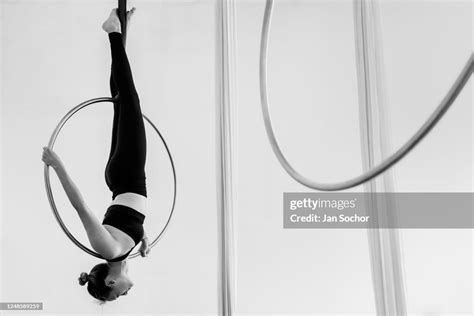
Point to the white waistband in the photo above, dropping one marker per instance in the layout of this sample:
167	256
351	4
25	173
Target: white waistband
132	200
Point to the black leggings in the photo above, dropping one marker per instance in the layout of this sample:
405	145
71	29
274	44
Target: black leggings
125	170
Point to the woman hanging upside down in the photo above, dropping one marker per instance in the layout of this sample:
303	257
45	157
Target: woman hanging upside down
122	227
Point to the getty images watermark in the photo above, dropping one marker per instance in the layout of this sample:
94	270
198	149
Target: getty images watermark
21	306
378	210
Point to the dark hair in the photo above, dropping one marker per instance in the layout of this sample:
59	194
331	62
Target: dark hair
96	279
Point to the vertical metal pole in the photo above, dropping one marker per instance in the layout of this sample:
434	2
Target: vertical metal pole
224	83
122	14
384	245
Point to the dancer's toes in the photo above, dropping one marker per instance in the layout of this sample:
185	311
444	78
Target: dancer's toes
130	14
112	24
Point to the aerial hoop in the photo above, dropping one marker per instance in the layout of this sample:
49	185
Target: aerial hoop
389	162
50	193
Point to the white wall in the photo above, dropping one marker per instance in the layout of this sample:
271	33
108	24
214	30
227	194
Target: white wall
313	99
54	55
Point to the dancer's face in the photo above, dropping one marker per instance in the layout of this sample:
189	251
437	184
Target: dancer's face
120	285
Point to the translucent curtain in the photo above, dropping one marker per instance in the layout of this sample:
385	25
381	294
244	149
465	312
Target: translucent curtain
384	244
224	68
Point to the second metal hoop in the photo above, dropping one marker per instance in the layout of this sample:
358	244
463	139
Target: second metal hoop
390	161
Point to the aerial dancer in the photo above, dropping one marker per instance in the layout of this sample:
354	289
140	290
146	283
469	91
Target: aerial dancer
122	227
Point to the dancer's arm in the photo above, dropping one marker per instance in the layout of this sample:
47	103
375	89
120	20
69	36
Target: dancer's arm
99	237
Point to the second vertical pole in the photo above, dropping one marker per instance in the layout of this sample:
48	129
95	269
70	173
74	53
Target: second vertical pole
224	88
384	244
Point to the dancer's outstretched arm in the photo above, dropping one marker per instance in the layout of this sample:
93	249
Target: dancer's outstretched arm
99	237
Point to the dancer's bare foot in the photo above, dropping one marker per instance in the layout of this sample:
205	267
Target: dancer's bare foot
112	24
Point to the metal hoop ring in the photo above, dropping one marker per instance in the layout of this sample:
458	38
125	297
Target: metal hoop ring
390	161
50	193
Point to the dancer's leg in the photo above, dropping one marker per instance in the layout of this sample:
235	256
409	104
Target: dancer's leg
113	143
127	164
114	94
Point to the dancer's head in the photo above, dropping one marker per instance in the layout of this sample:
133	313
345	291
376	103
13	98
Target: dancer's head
106	283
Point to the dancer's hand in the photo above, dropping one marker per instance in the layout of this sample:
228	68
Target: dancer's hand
51	158
144	248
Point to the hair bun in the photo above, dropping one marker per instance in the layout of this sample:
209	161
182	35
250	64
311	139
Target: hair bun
83	278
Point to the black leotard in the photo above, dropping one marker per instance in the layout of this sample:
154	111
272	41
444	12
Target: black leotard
127	220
